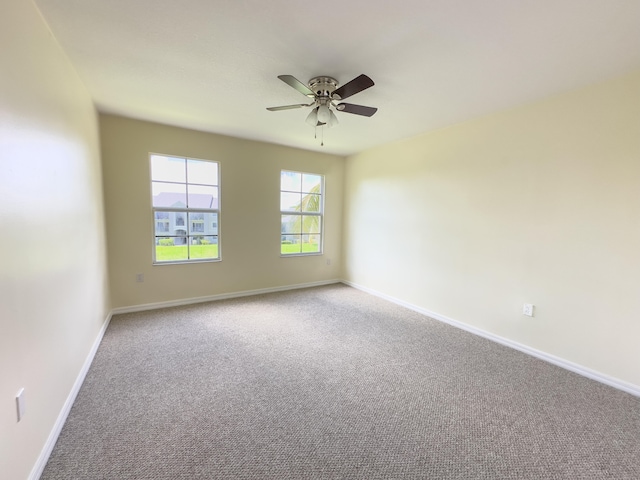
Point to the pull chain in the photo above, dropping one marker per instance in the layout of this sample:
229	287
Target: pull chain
315	134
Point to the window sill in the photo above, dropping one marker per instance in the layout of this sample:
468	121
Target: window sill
188	262
310	254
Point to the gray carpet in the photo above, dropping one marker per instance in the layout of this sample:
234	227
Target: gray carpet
332	383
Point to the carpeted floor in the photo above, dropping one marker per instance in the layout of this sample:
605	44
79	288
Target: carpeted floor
332	383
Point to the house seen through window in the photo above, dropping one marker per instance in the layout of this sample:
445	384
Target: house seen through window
301	213
185	201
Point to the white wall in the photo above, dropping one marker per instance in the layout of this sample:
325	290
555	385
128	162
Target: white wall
53	287
540	204
249	218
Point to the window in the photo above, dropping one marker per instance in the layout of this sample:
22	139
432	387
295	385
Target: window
185	200
162	222
197	222
301	207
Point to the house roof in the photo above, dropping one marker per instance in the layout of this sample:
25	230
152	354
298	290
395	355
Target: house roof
196	200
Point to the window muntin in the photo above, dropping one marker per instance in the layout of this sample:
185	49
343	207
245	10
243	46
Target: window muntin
301	213
185	203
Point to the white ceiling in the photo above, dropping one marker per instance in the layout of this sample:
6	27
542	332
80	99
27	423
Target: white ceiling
212	65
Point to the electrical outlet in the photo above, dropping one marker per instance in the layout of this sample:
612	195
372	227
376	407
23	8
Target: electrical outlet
20	405
328	261
527	309
140	277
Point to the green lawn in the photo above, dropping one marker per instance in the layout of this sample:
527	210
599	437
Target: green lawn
295	248
179	252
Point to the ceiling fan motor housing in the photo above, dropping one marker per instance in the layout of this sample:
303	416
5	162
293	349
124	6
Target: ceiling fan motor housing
323	87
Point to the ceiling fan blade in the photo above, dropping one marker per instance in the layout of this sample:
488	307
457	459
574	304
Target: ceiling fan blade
357	109
289	107
356	85
297	84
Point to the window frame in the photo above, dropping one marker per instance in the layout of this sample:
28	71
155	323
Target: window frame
319	214
186	211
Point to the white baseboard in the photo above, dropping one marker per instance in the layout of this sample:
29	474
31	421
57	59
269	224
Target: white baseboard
38	468
221	296
566	364
62	417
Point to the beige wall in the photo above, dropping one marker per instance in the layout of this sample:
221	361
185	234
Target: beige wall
538	205
53	287
249	219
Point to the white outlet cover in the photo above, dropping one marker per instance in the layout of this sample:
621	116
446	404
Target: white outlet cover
527	309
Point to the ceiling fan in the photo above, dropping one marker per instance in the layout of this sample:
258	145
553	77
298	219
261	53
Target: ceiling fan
325	93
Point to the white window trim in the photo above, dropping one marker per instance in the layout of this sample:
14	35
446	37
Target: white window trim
184	210
319	214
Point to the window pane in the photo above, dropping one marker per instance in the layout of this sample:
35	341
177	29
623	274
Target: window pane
290	181
203	197
205	173
290	244
290	202
310	243
203	223
203	247
291	224
310	224
169	195
311	183
311	203
168	169
169	223
171	249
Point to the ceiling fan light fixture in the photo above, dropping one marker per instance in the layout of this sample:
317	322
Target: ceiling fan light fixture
312	118
333	120
324	114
